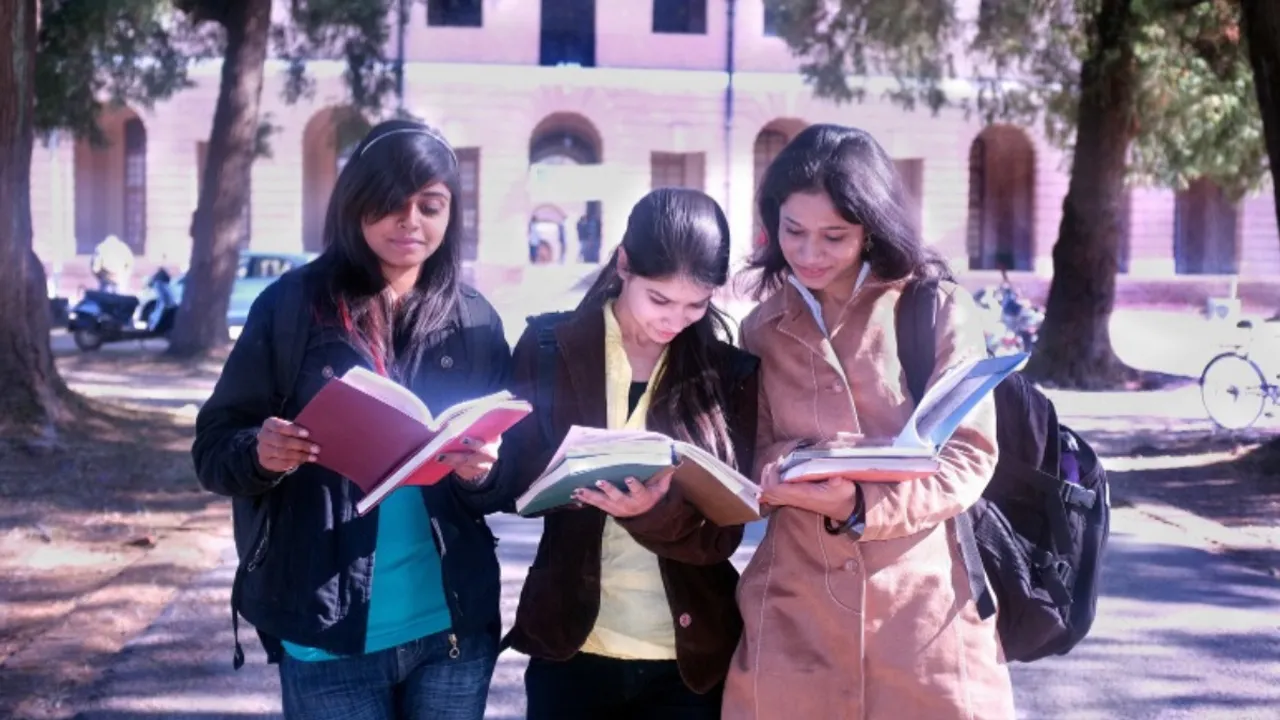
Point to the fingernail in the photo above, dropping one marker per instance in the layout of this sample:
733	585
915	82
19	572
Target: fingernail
303	433
311	459
600	483
315	449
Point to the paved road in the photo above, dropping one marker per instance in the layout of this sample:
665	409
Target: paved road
1181	634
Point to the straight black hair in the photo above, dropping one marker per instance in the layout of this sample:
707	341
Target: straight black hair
860	178
679	232
393	162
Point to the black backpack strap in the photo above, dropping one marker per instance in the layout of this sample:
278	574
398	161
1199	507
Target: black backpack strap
478	355
916	323
544	327
289	325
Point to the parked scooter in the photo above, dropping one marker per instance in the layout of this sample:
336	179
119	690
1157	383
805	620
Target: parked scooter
106	317
1015	322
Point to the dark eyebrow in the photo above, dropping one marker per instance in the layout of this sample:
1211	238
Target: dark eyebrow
829	228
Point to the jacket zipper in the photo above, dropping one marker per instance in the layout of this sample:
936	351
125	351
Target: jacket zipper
454	652
261	550
444	550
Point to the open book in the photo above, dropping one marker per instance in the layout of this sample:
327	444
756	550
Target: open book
380	436
722	494
913	453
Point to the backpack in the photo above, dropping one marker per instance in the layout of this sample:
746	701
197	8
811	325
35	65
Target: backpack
1040	529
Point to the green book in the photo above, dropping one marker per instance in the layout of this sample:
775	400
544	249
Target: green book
570	472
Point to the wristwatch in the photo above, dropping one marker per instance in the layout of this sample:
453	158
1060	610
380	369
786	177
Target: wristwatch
856	524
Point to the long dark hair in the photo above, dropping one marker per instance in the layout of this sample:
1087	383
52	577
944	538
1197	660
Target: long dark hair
678	232
849	166
389	166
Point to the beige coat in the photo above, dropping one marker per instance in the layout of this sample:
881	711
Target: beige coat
885	628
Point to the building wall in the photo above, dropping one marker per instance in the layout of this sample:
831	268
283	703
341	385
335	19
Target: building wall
483	88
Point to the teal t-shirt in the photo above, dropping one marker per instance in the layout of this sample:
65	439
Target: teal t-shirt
407	598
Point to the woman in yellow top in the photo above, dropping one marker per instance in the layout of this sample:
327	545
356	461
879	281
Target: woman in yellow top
628	609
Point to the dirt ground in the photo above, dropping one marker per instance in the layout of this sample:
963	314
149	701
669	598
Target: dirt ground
77	518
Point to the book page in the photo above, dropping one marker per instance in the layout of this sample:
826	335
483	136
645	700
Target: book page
466	407
950	401
389	392
595	441
729	477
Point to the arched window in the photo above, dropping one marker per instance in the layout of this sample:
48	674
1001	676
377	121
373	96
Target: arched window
135	185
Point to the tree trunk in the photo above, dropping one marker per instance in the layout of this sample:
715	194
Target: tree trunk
1261	20
222	213
31	402
1074	347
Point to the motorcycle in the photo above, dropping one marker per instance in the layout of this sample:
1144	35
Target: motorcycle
1014	322
105	317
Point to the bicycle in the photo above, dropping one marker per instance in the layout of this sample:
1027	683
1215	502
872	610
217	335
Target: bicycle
1235	390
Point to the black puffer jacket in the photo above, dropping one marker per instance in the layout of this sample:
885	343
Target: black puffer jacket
306	558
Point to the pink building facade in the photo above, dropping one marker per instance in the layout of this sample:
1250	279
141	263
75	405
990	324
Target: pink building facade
578	110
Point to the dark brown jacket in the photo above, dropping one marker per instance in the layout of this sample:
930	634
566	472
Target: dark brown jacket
561	596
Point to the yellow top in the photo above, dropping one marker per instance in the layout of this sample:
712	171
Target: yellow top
635	619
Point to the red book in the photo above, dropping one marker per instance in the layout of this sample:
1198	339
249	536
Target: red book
380	436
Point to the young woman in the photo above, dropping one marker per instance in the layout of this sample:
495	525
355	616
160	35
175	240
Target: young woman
628	608
857	593
393	614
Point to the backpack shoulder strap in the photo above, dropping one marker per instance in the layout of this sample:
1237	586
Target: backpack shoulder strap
478	355
916	327
916	321
544	327
289	324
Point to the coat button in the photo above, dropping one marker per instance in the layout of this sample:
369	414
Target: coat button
685	620
446	362
326	372
850	565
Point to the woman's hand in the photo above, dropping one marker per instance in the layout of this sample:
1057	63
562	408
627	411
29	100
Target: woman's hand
639	499
835	497
283	446
473	465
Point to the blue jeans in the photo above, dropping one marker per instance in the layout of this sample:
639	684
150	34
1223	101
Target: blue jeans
414	681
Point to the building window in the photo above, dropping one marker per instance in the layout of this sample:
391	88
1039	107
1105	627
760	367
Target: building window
469	200
774	17
1206	239
455	13
568	34
686	170
687	17
135	185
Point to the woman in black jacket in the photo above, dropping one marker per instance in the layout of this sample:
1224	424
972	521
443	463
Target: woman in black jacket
393	614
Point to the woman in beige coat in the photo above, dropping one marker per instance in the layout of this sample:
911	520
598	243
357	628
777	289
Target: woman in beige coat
856	604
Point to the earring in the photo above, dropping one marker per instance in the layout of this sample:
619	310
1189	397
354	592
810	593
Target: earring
866	247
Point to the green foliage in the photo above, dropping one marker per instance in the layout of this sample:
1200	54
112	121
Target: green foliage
91	54
95	54
1019	61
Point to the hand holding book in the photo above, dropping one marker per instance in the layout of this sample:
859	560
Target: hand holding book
639	498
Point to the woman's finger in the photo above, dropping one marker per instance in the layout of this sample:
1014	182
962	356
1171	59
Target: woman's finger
610	491
281	443
594	499
284	427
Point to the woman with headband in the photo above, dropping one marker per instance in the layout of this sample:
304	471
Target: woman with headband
393	614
